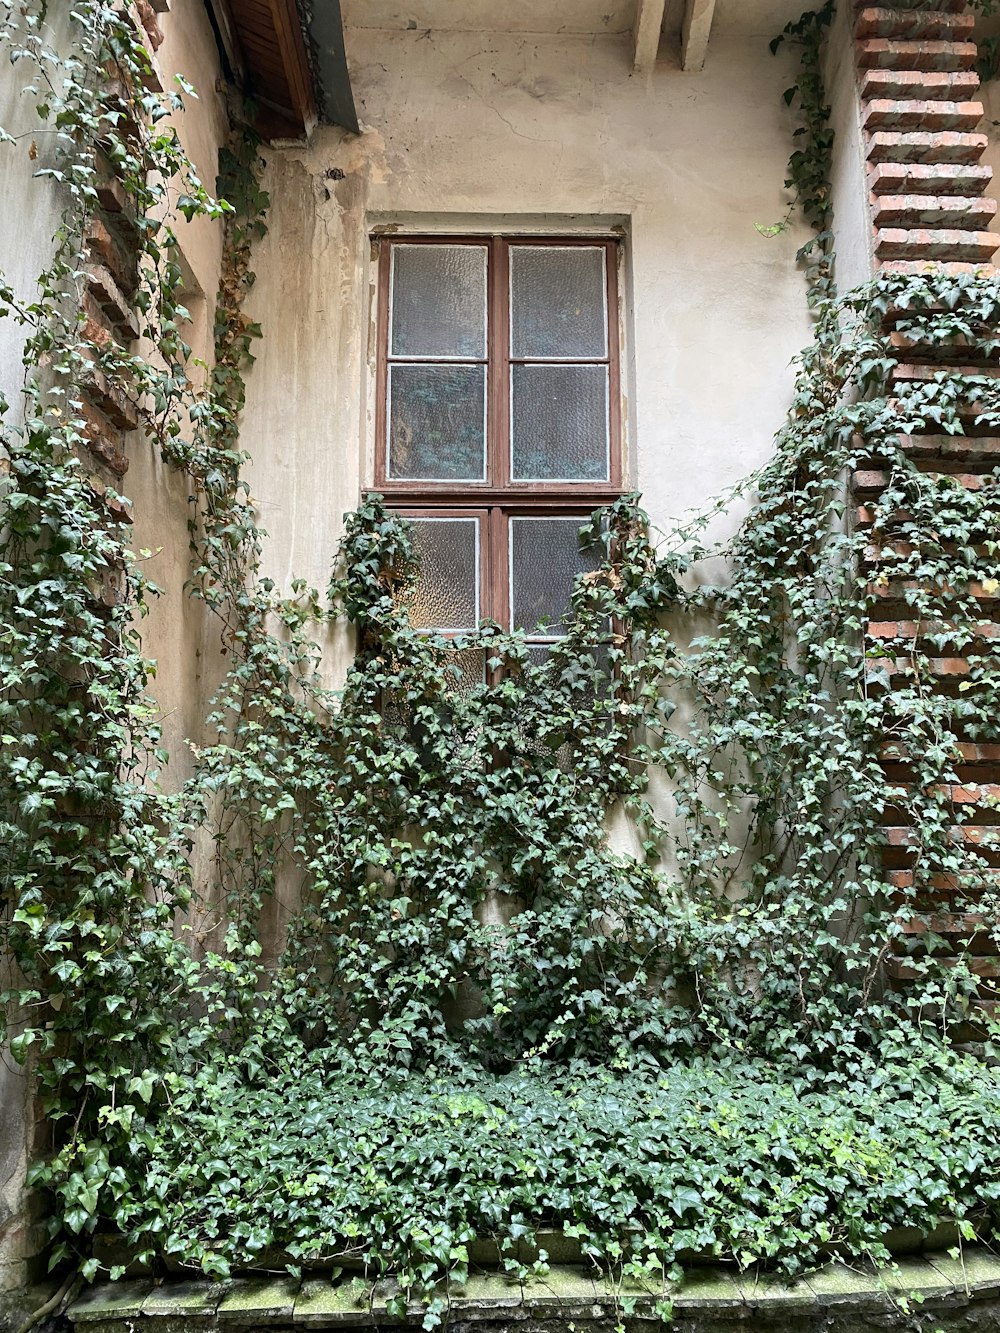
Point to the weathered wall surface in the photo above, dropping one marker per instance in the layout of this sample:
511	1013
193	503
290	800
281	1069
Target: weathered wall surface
478	131
852	226
26	250
472	130
175	632
987	35
27	231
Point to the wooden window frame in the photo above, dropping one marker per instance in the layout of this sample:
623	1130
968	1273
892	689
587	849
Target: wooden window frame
498	498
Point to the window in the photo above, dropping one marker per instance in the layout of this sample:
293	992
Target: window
498	423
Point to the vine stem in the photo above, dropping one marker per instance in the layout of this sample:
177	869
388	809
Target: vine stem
66	1293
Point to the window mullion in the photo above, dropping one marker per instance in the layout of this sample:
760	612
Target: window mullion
499	350
611	251
499	609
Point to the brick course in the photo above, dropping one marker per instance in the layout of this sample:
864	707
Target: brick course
930	212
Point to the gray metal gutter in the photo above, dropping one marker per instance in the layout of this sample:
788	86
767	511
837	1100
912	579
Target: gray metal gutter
323	27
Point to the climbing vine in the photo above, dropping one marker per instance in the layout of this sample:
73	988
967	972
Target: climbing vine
638	892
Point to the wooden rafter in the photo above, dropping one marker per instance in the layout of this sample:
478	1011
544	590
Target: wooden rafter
698	15
266	50
292	49
646	33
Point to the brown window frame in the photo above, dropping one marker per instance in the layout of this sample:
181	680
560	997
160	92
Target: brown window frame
497	499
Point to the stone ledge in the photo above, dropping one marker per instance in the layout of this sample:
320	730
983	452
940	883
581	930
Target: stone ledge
588	1298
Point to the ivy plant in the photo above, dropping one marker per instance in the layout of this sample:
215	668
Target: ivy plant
596	943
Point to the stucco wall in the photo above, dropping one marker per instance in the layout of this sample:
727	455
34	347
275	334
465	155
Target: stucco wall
26	249
26	232
177	632
465	130
987	29
852	227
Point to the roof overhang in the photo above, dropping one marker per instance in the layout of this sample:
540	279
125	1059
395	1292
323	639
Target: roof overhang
289	61
288	56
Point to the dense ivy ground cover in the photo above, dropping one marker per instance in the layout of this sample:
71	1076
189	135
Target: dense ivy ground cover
678	1038
730	1158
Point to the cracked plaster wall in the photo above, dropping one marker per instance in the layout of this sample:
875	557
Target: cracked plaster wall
468	130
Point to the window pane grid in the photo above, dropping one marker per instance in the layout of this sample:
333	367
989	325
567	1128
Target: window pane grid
482	412
549	290
538	312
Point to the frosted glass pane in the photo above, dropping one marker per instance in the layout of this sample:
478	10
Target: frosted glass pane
437	423
559	423
557	302
468	669
438	300
545	558
447	593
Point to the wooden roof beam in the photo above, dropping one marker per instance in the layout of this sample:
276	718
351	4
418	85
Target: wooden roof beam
698	15
292	50
646	34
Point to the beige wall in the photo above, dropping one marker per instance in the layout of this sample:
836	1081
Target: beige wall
986	28
26	231
852	226
178	632
473	130
175	631
25	250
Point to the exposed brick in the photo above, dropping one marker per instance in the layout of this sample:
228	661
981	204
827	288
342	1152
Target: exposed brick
116	405
881	53
943	6
931	243
112	300
908	372
964	448
929	85
96	331
913	25
933	210
915	267
946	178
938	666
949	146
951	348
866	481
978	752
898	114
149	36
108	250
114	399
103	440
117	507
973	834
942	884
900	970
112	195
150	23
944	923
915	631
97	327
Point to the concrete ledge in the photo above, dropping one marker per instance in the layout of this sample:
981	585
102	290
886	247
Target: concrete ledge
830	1298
